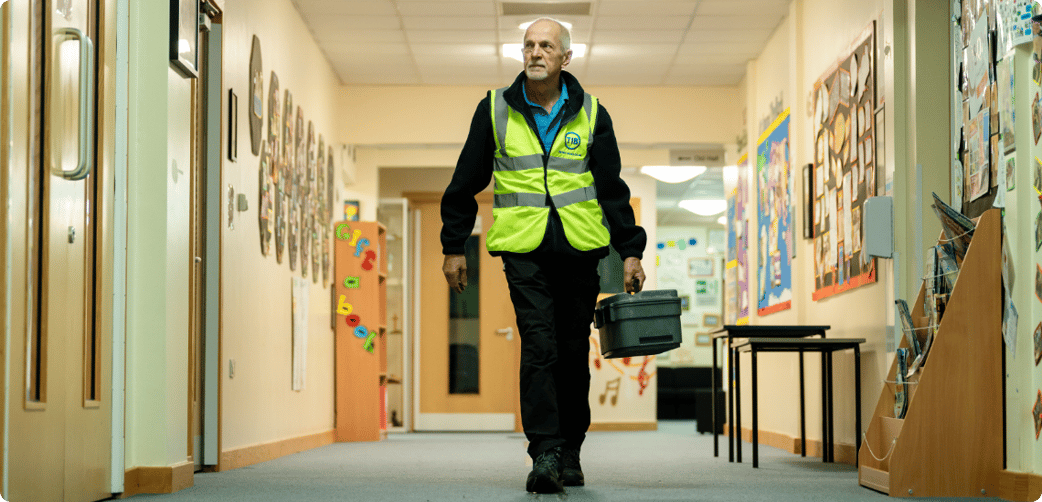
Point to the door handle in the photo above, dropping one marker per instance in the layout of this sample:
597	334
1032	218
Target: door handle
83	167
509	332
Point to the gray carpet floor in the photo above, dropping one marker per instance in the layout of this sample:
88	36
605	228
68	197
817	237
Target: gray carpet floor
672	463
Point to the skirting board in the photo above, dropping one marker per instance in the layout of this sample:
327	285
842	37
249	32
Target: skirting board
249	455
168	479
845	453
623	426
1019	486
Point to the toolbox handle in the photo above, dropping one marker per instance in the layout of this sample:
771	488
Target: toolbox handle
601	317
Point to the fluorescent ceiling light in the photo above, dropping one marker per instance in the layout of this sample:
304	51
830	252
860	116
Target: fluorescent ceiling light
524	26
673	174
516	51
704	207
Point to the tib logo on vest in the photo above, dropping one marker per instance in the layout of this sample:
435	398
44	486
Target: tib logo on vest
572	140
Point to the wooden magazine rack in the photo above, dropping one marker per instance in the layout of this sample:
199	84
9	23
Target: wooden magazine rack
950	443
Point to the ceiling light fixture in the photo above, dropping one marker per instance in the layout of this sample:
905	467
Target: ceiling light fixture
516	51
525	25
704	207
673	174
722	220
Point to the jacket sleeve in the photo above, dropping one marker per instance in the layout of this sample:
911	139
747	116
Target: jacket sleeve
473	173
628	238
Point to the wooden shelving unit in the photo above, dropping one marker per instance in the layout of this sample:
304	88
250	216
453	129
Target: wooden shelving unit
359	373
950	443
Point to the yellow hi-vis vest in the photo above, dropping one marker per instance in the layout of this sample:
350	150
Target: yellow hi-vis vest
520	212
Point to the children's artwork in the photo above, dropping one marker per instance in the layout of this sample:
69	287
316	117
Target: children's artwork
845	151
351	210
775	221
1038	231
1013	20
1011	172
1036	119
700	267
265	210
738	247
1037	178
1007	112
1038	343
1038	282
977	156
1036	412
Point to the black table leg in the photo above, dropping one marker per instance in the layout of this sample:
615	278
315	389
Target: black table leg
730	400
756	417
824	412
803	412
738	407
832	424
712	377
857	404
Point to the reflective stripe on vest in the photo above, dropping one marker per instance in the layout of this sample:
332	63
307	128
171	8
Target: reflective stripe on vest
521	204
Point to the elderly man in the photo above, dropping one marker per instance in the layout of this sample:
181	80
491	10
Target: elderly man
559	202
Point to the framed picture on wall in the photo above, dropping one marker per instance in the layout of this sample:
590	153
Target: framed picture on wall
703	339
711	320
808	201
700	267
184	37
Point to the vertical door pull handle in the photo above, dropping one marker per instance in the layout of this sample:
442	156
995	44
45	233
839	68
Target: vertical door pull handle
83	167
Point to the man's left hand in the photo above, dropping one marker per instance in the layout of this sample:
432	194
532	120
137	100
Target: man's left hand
633	275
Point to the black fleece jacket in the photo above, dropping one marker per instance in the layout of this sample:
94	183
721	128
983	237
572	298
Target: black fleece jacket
474	172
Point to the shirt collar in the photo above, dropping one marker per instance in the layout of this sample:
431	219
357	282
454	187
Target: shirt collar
557	106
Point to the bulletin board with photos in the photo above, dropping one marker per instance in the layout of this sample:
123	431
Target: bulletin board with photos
984	160
844	172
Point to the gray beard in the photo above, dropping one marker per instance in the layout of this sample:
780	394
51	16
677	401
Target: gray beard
535	77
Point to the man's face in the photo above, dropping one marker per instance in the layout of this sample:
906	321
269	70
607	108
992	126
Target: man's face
544	56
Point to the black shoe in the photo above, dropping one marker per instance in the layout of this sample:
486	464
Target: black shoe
546	472
571	471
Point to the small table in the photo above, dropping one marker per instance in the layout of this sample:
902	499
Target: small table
760	331
826	347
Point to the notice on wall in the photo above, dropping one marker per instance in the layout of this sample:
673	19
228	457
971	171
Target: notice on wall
300	331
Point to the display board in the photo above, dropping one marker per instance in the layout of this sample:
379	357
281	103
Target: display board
844	168
737	274
775	246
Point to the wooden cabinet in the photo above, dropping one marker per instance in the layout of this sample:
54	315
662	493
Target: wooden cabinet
950	443
360	280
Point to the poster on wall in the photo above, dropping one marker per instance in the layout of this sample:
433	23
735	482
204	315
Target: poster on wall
845	168
737	248
774	219
300	293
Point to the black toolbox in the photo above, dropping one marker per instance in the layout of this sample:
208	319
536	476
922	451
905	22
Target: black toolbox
641	324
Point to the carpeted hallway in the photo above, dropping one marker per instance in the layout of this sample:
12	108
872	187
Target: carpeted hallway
672	463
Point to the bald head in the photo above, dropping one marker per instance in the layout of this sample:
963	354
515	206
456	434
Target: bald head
546	49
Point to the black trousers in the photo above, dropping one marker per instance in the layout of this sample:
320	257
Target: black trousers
554	298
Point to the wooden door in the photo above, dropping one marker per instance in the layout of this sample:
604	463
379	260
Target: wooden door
62	421
469	354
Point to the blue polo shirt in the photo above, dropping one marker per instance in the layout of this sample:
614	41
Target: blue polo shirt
548	123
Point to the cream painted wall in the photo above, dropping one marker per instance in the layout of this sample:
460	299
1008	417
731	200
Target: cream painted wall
259	405
813	37
642	116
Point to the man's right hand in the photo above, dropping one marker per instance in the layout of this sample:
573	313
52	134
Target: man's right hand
455	270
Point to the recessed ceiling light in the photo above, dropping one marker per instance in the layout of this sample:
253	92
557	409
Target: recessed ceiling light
524	26
704	207
673	174
516	51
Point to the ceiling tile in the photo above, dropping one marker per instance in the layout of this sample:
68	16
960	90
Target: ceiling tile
328	38
645	36
758	36
372	49
457	8
451	37
624	23
616	8
708	58
747	8
646	76
456	52
737	48
346	7
723	23
344	23
448	23
632	50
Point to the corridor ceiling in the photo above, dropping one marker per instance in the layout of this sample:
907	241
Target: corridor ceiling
629	42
